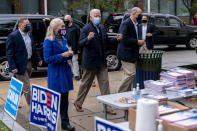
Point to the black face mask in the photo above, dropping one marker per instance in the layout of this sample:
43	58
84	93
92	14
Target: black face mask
66	22
139	18
144	21
27	28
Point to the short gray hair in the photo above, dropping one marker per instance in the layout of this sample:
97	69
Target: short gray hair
93	10
134	10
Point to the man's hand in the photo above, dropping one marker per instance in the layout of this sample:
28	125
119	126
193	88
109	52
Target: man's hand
119	36
149	34
40	63
15	71
91	35
67	54
140	42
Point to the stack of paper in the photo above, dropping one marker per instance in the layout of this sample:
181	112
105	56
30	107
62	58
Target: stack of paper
157	86
186	119
177	78
178	116
166	109
190	78
156	97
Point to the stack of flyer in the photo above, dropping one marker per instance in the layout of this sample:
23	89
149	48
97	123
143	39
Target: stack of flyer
158	85
186	119
177	78
156	97
190	78
167	108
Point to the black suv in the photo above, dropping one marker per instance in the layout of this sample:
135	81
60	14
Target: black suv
8	24
173	31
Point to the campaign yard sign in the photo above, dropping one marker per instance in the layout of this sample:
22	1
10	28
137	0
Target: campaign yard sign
12	101
104	125
44	107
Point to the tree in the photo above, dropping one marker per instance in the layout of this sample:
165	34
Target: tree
191	7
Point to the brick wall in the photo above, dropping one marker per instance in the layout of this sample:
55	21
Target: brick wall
18	6
184	18
140	4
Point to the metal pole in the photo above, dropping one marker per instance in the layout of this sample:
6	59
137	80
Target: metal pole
148	6
45	7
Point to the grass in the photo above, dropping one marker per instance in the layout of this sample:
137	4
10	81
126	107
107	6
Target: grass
3	127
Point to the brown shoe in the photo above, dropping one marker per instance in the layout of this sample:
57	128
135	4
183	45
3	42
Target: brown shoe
111	112
78	108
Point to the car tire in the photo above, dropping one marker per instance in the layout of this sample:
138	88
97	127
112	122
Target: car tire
113	63
192	44
5	75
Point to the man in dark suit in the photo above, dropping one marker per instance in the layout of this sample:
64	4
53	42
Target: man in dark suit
72	36
147	32
22	55
93	39
128	49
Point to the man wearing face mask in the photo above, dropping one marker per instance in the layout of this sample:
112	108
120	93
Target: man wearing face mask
147	32
22	55
128	49
93	39
72	36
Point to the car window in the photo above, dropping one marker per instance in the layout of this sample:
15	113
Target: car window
160	21
38	30
6	28
114	19
174	22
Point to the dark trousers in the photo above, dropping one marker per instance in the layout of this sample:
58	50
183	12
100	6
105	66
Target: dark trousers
64	109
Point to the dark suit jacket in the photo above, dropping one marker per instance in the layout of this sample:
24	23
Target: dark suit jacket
72	36
16	53
128	49
150	29
93	51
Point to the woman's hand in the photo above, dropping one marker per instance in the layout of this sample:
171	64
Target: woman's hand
67	54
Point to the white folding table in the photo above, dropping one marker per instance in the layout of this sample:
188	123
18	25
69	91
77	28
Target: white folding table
113	100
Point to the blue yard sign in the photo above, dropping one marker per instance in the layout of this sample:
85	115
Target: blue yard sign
44	108
14	93
104	125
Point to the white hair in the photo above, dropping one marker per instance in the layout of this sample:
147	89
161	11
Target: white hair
94	10
53	25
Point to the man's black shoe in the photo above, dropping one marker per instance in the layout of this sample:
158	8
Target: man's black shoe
77	78
68	127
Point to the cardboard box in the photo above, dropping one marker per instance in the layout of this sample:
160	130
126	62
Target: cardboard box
132	112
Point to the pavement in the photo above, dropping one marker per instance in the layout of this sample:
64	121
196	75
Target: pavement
84	121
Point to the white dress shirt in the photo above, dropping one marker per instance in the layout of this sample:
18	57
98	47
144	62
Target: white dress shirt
144	31
136	27
27	41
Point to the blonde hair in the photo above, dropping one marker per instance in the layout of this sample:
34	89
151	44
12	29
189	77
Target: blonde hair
53	25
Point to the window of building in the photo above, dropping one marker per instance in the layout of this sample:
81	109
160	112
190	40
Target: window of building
180	8
30	6
160	21
153	6
174	22
5	7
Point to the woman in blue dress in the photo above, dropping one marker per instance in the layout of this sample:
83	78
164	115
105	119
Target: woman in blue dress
56	55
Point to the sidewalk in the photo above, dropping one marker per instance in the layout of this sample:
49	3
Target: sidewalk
83	121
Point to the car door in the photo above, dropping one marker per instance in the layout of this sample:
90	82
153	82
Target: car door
177	34
162	37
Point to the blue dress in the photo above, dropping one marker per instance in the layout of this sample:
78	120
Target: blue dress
59	71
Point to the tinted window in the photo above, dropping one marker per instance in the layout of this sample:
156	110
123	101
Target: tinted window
160	21
114	19
174	22
38	30
6	28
